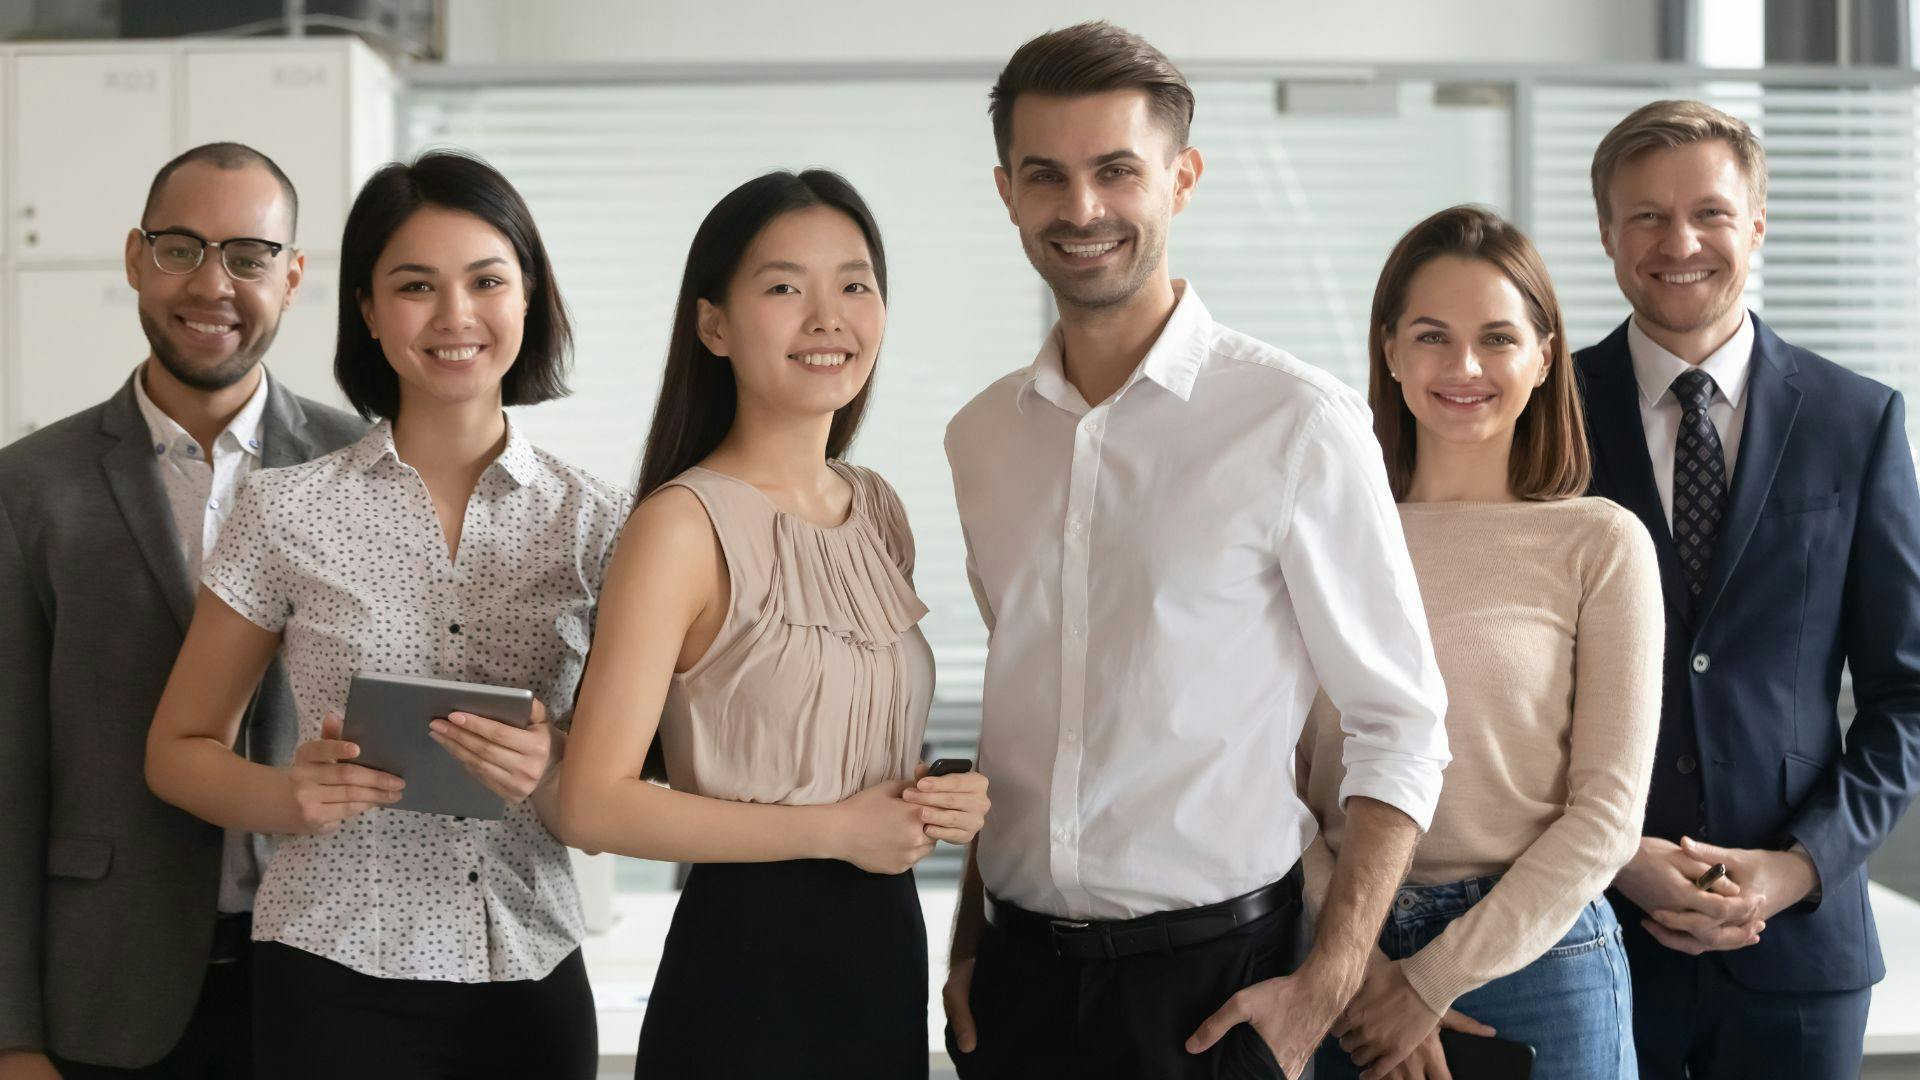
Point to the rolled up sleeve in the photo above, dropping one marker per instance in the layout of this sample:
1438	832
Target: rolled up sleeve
1354	594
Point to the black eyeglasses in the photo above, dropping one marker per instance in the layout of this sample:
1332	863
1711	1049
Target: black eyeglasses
246	258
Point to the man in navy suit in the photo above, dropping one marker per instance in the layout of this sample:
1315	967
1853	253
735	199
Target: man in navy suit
1780	493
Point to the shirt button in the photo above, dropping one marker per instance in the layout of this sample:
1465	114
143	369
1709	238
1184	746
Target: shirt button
253	444
1073	630
1074	524
1701	662
473	875
1070	736
215	503
194	450
159	448
453	628
1686	764
1093	427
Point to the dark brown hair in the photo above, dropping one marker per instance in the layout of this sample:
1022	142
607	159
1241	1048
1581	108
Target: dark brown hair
1090	58
1669	125
1549	458
697	393
453	181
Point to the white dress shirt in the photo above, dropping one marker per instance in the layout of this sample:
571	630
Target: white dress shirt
344	557
1654	369
1167	578
200	493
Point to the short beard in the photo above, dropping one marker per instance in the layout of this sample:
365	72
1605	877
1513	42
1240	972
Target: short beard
1709	318
1082	297
221	375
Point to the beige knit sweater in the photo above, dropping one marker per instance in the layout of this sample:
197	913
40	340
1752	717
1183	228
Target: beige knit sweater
1548	626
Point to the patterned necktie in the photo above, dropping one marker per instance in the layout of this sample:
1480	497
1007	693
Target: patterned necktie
1699	481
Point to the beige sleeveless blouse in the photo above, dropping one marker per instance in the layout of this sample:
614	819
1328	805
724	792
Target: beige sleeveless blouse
818	684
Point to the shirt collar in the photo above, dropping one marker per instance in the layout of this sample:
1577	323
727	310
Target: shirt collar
243	431
1654	368
1173	362
517	461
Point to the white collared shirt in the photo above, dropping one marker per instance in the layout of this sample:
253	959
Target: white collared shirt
343	556
1167	578
1654	369
200	494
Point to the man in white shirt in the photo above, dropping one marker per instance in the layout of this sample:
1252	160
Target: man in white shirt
123	921
1177	535
1779	490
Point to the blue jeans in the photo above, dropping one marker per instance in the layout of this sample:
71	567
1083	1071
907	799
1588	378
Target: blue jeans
1574	1005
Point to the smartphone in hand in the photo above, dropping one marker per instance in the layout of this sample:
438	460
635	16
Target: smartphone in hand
947	766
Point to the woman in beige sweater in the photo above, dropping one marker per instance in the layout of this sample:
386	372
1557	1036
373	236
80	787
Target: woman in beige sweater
1546	619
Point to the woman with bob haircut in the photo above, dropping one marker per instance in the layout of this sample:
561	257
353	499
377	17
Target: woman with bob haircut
761	622
1546	615
442	544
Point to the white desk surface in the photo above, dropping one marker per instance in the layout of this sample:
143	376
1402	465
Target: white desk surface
622	962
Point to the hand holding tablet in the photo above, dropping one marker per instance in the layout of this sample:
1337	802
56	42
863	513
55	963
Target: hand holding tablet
464	749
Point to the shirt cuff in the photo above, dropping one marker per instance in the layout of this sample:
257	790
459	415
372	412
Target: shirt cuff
1408	783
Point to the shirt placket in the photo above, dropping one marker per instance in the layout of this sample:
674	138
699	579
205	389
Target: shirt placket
1070	739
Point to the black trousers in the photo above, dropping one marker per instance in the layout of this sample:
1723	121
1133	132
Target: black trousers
1692	1020
789	970
218	1042
1039	1015
315	1018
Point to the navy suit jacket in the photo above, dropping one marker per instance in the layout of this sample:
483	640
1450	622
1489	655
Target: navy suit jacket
1818	566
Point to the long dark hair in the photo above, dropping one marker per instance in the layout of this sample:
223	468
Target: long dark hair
697	393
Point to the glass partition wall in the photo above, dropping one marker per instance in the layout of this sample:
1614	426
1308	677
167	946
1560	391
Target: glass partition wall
1311	175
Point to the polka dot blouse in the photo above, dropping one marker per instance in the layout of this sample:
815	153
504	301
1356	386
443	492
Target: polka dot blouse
343	556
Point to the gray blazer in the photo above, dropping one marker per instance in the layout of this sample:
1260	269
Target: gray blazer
107	895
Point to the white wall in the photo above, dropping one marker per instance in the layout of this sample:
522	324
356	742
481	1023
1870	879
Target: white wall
769	31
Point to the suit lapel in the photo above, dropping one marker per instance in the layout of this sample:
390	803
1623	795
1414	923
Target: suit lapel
1620	445
134	478
283	436
1772	403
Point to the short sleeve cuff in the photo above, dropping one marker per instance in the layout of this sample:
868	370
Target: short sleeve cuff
271	618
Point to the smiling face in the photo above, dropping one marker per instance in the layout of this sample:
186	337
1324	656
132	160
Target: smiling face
1682	232
803	317
1466	353
206	329
448	304
1093	185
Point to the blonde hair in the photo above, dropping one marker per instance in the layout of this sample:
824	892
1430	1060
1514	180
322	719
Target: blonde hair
1668	125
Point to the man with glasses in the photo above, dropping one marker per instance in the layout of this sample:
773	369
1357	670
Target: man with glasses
123	921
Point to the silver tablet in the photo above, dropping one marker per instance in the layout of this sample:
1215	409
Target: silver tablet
387	715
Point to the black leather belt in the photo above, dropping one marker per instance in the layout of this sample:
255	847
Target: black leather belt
1165	931
232	937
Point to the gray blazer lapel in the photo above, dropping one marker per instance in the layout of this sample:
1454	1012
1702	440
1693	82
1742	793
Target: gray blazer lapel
283	436
134	478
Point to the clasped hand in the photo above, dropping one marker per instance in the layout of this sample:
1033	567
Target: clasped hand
1730	915
889	827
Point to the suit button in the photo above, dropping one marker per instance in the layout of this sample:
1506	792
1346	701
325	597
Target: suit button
1701	662
1686	764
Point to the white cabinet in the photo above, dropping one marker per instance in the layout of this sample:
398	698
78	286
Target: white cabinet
83	129
76	336
302	356
298	107
80	122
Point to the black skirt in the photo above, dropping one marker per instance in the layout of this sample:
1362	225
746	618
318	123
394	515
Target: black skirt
790	969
